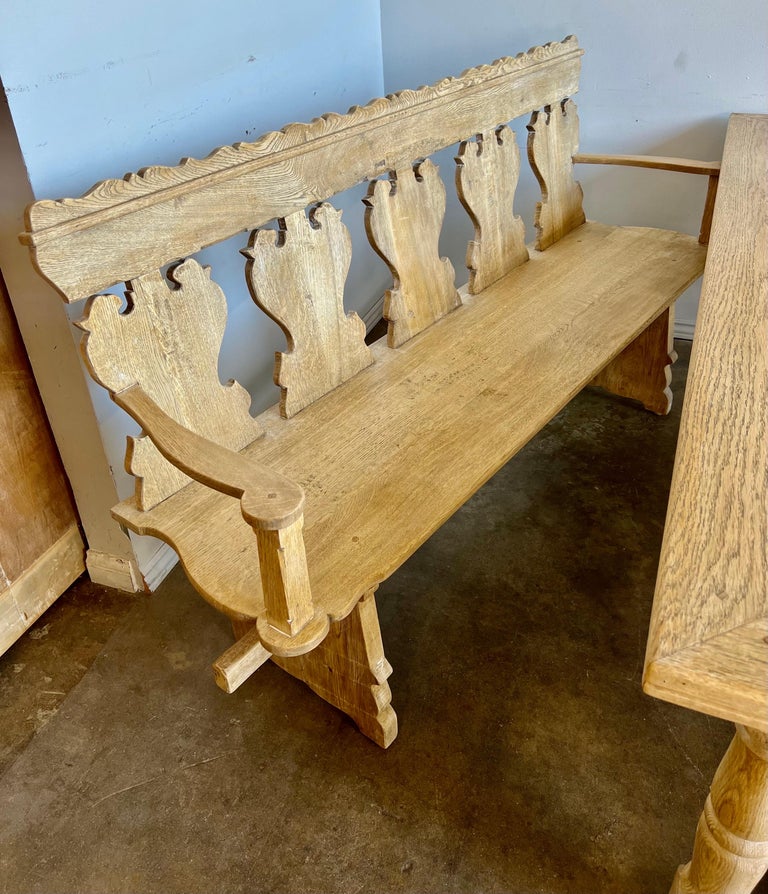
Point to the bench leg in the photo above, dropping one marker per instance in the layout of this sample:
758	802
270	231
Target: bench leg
730	852
643	370
349	670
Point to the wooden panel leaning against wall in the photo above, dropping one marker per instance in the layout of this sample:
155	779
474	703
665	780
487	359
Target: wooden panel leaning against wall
41	549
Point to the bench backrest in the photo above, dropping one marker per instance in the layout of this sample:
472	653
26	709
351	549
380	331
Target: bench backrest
129	230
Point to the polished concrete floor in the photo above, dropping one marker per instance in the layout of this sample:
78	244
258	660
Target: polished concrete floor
528	759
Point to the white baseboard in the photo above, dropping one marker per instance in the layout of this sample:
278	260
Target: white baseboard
159	567
684	329
372	316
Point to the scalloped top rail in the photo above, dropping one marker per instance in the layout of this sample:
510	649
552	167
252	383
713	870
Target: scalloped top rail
122	228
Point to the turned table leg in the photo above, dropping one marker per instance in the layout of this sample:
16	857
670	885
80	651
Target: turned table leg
730	852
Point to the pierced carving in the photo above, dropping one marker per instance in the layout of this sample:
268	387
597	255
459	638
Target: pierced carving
168	342
297	277
403	219
553	140
487	170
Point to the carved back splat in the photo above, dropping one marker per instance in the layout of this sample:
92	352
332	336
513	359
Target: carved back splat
298	280
168	343
486	178
553	140
403	221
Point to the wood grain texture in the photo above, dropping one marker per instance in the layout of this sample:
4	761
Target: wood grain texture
404	431
643	370
298	277
655	162
122	229
349	670
712	585
553	140
487	170
403	218
268	500
730	853
168	343
233	667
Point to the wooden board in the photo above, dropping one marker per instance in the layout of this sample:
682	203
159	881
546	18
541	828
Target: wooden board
403	433
41	550
704	647
124	228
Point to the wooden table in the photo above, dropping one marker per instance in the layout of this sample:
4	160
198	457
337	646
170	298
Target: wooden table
708	641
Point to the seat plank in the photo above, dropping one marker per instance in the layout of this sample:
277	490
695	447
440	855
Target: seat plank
403	433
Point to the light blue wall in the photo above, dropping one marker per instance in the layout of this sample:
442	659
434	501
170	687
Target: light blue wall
657	78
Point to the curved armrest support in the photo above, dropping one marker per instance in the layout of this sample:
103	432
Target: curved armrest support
269	500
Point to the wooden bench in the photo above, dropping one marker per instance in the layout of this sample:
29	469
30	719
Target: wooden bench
294	517
708	642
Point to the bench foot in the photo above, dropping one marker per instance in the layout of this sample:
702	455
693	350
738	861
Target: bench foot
349	670
730	852
643	370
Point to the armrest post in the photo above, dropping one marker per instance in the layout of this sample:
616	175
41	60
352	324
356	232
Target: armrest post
709	208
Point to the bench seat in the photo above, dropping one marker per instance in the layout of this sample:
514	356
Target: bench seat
389	455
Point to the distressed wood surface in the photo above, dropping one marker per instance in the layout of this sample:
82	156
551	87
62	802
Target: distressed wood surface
704	648
168	344
121	229
643	370
297	277
487	170
553	140
403	218
730	852
349	670
405	430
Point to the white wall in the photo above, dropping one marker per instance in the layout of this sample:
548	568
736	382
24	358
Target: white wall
658	77
98	89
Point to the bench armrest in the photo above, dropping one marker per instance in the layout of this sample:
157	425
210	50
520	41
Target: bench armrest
656	162
662	163
269	500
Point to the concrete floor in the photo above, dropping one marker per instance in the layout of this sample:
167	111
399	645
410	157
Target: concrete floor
528	759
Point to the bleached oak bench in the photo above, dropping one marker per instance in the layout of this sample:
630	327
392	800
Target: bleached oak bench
708	642
294	517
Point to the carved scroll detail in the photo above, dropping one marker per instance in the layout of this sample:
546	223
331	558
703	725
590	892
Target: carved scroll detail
298	279
553	140
403	220
486	178
168	342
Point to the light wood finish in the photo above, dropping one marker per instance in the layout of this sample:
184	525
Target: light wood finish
405	430
124	228
41	550
553	139
169	345
656	162
39	585
662	163
730	852
709	209
643	370
298	279
349	670
403	218
269	500
487	170
706	648
233	667
284	577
